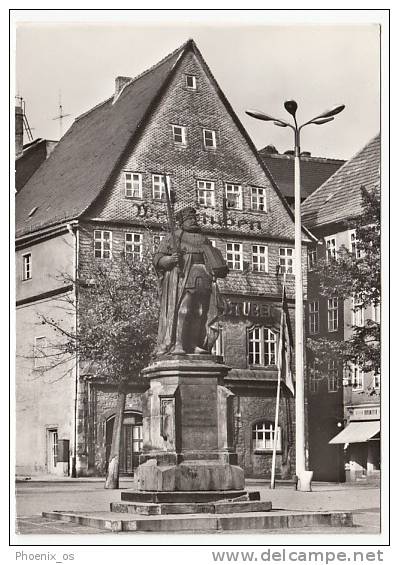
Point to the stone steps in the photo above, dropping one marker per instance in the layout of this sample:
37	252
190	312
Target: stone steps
249	521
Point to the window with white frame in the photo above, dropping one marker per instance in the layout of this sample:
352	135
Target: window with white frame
313	378
261	346
133	185
263	437
286	260
156	242
357	312
332	314
134	246
234	196
258	199
312	258
206	193
332	377
27	266
40	352
102	244
191	82
314	319
209	138
331	248
377	381
357	377
260	258
158	186
218	346
179	135
234	256
353	244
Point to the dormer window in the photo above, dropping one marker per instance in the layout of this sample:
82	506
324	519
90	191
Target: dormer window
191	82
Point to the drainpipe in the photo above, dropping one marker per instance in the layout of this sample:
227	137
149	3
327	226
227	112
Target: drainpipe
73	228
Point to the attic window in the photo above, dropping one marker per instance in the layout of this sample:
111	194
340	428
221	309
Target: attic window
191	82
32	211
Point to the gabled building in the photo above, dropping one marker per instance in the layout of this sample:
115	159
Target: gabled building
99	193
344	405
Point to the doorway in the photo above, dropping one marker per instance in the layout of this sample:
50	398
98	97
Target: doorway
132	442
52	450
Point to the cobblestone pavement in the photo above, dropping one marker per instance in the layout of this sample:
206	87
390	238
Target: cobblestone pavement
33	498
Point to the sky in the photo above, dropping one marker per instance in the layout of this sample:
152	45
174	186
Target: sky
256	65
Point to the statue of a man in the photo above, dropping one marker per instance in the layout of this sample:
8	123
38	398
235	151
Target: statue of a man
189	299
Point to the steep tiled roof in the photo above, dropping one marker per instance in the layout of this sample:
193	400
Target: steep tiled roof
79	167
339	198
314	172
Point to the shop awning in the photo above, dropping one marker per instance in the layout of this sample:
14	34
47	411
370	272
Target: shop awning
357	432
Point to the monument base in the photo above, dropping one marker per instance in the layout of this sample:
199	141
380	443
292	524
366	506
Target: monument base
190	476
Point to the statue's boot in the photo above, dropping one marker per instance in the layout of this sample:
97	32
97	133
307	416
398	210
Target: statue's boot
200	350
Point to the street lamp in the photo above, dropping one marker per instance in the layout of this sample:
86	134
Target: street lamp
291	106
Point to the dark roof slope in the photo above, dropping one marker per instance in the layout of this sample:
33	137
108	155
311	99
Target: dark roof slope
339	198
314	171
79	167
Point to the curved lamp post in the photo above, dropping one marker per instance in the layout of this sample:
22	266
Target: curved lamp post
291	106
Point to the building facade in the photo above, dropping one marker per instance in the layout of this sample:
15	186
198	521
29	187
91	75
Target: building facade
101	194
344	403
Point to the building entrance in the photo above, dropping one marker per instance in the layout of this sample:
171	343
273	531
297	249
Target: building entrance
132	441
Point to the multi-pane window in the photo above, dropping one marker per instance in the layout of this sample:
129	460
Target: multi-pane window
357	312
102	244
179	135
156	241
218	346
234	196
313	378
353	246
137	438
357	377
158	186
332	368
133	185
331	248
258	199
191	82
259	258
261	346
39	352
286	260
209	138
377	381
234	256
332	314
27	266
314	317
263	436
134	246
206	192
312	258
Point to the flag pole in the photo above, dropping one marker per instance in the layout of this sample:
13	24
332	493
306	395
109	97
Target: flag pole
279	363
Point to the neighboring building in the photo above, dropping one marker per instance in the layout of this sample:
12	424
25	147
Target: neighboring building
30	158
99	192
343	396
314	171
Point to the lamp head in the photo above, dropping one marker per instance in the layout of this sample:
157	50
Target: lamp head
291	106
259	115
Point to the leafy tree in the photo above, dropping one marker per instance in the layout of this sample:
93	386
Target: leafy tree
355	274
117	312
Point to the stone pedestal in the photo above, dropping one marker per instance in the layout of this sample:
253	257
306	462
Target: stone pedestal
188	427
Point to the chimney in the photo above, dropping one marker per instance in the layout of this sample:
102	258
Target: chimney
19	131
270	149
306	154
120	82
